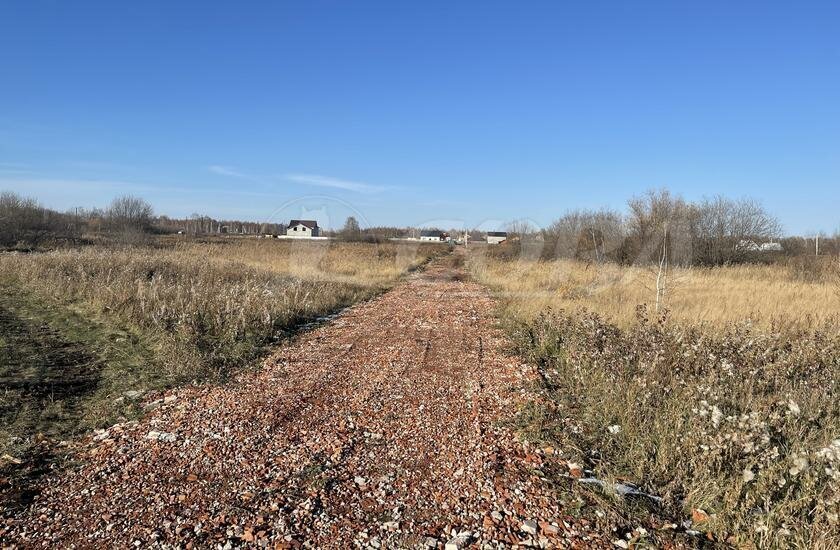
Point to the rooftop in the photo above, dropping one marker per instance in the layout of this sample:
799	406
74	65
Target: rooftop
311	224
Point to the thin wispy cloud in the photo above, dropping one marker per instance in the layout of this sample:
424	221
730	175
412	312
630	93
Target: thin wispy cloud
335	183
228	171
316	180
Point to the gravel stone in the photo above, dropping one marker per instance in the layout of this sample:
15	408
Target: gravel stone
278	457
529	527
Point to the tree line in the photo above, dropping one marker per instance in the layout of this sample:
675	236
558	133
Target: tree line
199	224
712	231
24	223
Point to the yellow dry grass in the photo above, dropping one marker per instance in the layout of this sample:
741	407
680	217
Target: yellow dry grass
229	296
354	263
716	296
737	421
82	326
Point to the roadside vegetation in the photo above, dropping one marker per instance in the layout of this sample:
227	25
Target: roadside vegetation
737	431
86	331
723	403
710	384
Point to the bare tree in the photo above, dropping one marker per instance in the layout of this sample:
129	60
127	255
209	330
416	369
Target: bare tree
655	216
351	230
129	212
520	229
526	239
723	226
563	234
585	234
24	222
129	219
17	215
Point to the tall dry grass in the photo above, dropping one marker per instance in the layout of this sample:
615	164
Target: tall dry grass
738	431
724	403
90	329
209	308
765	294
353	263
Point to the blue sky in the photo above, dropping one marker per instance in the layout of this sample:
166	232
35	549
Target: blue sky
406	113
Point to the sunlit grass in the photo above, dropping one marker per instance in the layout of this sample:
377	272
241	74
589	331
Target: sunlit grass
144	318
762	293
725	406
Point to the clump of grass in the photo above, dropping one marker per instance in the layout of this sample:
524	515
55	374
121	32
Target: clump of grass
206	317
355	263
739	429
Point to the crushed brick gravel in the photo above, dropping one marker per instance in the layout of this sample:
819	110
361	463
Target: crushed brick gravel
384	428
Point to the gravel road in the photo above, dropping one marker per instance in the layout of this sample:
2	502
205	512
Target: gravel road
383	428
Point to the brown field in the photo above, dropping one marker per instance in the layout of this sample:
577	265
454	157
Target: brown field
362	264
799	293
725	407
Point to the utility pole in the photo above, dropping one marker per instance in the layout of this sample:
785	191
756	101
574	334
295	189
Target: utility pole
817	245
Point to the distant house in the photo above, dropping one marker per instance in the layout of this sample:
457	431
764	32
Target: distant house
432	235
303	228
496	237
752	246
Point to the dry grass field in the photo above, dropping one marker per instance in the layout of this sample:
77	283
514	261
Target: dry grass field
725	406
85	332
722	403
363	264
800	293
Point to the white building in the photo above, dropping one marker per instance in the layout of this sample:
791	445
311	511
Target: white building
496	237
432	235
303	228
772	247
753	246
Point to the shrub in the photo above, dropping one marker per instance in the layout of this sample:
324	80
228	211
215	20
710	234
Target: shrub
741	427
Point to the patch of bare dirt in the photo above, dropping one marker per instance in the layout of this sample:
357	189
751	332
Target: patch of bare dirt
384	428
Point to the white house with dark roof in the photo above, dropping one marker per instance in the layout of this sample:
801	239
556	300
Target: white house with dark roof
303	228
433	235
